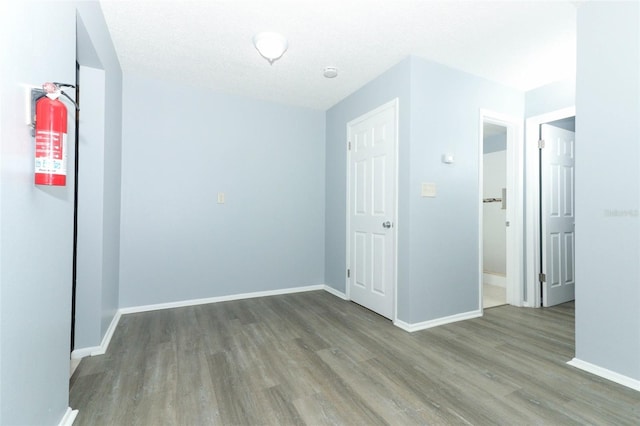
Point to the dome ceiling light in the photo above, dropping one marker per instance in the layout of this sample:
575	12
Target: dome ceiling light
270	45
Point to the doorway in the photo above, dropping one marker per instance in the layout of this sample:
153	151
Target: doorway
551	209
372	209
494	215
501	203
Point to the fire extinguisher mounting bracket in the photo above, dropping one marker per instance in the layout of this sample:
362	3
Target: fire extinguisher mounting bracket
35	95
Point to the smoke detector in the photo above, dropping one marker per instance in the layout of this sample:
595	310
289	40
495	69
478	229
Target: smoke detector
330	72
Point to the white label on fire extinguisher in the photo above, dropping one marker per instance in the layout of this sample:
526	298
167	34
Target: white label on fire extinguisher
51	152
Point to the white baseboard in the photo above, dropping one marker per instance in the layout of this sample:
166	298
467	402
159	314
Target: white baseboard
436	322
207	300
335	292
104	345
102	349
498	280
83	352
69	417
606	374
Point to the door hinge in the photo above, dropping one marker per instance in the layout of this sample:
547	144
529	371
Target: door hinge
542	277
348	273
349	145
541	144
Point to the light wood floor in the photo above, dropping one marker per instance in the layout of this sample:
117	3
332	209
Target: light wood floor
311	358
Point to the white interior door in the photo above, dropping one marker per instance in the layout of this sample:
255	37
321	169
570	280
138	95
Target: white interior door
372	205
558	215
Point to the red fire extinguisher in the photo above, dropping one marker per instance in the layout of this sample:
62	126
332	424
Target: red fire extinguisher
51	138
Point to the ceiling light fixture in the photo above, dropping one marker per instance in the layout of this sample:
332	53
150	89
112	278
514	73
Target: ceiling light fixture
270	45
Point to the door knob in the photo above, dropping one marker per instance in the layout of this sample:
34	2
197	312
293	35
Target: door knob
386	224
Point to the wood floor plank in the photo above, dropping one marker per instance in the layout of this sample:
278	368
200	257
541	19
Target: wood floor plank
313	359
277	409
392	402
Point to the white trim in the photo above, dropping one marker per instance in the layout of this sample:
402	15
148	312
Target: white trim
396	209
69	417
499	280
436	322
395	104
102	349
605	373
532	212
207	300
335	292
84	352
515	204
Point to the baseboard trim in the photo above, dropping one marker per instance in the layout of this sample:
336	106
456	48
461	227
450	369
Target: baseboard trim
436	322
104	345
605	373
102	349
69	417
499	280
207	300
335	292
84	352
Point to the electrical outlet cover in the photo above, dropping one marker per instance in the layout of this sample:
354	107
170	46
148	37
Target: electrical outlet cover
428	189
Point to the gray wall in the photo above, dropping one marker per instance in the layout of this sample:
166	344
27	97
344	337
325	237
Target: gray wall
494	143
551	97
99	180
439	113
608	187
445	117
90	208
183	146
36	223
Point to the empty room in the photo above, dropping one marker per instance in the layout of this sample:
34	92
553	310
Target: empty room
302	212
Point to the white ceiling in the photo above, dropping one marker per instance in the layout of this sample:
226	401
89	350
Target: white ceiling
523	44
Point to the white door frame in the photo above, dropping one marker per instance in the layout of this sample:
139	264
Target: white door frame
394	104
532	218
515	232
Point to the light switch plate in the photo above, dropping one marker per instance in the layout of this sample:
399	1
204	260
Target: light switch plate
220	197
428	189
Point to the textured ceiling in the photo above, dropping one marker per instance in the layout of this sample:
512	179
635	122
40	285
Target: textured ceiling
523	44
